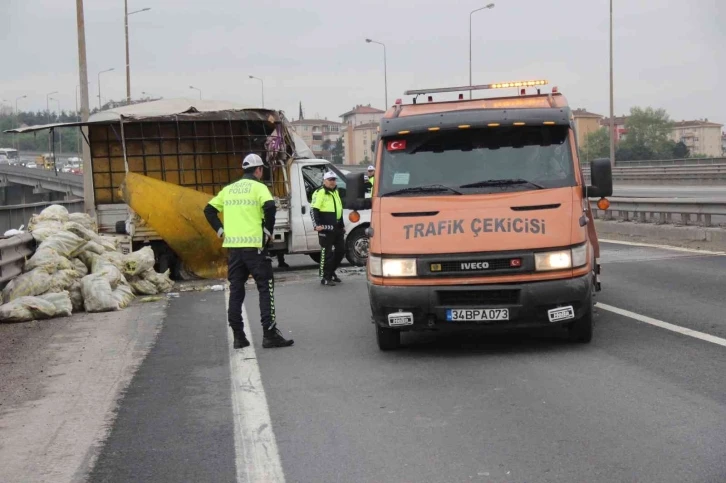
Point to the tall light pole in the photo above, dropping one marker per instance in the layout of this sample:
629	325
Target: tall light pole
60	133
612	106
99	86
385	68
128	62
47	107
263	88
471	14
47	103
89	198
197	89
17	121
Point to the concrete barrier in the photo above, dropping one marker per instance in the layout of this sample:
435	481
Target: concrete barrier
706	238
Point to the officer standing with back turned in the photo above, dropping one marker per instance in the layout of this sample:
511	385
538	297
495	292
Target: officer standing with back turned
327	213
249	219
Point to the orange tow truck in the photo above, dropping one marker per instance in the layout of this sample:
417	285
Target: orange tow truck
481	215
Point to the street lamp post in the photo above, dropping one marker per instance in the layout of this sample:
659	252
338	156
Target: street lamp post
47	107
471	14
385	68
197	89
263	88
17	122
128	62
60	133
612	106
99	86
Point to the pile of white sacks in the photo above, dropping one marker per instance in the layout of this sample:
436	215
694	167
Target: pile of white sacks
75	269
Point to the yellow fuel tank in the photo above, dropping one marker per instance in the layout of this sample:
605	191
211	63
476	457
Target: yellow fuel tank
177	215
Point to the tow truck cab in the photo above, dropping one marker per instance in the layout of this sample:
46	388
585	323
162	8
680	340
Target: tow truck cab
480	216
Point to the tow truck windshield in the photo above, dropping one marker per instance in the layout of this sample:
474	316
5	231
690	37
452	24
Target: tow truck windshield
471	161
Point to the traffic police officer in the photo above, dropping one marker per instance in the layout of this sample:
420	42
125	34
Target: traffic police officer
327	213
249	219
370	178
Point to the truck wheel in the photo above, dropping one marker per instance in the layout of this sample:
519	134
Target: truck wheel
316	257
357	247
388	339
580	331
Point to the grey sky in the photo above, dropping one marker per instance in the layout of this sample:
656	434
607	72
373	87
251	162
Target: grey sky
669	53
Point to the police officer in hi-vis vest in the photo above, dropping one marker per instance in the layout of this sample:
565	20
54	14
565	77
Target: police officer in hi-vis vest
327	213
249	220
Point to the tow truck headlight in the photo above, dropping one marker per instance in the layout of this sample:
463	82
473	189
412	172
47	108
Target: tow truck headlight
399	267
561	259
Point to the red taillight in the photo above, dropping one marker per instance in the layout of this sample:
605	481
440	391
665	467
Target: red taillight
461	97
515	262
399	102
431	98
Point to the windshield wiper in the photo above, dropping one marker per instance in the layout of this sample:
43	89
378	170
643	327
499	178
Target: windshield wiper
431	188
502	182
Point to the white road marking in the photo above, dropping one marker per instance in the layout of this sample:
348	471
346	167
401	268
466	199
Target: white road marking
257	457
663	325
664	247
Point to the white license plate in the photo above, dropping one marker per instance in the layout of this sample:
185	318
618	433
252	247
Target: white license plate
476	315
561	313
400	318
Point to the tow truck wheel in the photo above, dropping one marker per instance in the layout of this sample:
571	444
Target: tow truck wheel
580	331
388	339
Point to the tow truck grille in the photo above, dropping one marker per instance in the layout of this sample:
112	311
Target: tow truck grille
472	298
456	266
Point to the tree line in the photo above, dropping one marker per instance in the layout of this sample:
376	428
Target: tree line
647	138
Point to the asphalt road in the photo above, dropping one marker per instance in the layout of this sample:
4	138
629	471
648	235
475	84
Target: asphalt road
640	403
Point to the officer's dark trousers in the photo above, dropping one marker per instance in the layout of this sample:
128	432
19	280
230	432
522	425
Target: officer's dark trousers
241	263
332	251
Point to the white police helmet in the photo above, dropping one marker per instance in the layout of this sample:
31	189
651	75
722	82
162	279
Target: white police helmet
252	161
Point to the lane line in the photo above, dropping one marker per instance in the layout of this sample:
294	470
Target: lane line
663	325
257	456
663	247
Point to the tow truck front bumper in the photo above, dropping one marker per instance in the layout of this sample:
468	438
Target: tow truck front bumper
528	303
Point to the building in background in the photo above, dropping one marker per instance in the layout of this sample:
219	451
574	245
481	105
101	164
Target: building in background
362	115
320	135
359	143
723	144
585	123
700	136
620	130
360	133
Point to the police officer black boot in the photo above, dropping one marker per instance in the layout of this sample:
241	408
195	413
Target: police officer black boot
273	338
240	340
335	278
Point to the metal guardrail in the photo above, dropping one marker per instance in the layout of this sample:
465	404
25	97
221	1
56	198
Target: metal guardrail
13	252
661	210
713	172
13	216
671	162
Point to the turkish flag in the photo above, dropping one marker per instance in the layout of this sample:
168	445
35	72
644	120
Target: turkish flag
397	145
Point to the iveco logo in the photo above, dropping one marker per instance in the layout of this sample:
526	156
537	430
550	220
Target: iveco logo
474	265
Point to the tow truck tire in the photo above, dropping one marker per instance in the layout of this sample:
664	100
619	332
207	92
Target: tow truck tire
388	339
580	331
356	247
315	256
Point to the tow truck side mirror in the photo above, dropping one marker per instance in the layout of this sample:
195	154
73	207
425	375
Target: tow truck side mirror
355	193
601	179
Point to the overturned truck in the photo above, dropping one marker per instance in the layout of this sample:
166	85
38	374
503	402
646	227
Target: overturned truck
155	166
